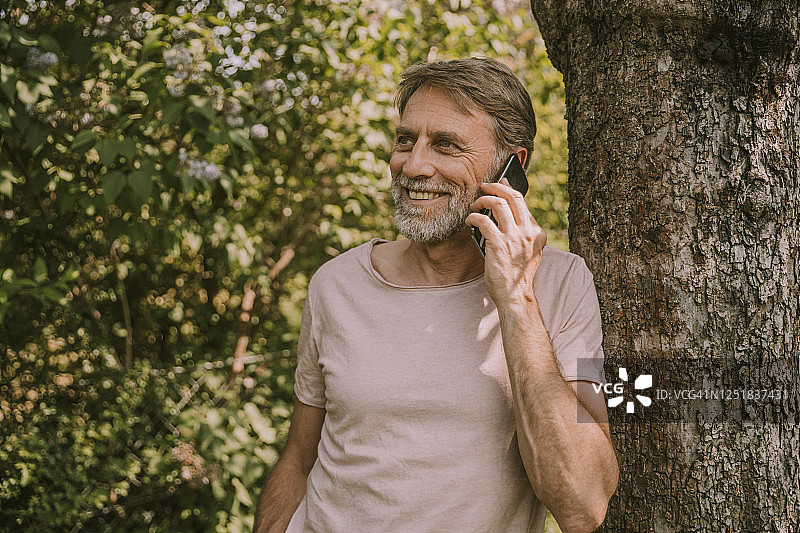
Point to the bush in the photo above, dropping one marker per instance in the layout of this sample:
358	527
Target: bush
171	175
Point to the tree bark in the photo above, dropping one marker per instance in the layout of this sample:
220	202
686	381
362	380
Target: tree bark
684	201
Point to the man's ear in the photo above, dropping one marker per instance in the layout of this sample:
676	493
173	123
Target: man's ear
522	154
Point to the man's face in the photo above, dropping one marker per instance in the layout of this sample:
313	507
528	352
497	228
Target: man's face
441	155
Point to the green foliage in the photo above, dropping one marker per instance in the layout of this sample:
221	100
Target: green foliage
108	449
158	161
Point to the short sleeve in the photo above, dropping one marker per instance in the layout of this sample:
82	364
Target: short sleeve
578	345
309	384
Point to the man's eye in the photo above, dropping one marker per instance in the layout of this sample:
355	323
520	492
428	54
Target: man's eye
404	141
448	145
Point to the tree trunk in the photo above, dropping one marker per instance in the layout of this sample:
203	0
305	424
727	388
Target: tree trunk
684	201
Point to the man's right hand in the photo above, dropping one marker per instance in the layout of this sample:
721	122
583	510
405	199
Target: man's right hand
286	485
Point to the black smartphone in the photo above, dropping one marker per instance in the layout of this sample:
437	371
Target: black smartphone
515	174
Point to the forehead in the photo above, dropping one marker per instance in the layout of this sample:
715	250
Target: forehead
431	105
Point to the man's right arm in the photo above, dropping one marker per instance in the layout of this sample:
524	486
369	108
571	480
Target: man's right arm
286	484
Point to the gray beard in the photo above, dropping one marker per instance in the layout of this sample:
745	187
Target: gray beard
429	225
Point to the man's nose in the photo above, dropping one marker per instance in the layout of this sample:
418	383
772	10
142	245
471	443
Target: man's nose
419	163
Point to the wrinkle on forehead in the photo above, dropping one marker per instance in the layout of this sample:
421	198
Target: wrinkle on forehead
467	109
463	107
472	113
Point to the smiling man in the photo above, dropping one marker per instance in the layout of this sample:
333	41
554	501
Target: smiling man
438	390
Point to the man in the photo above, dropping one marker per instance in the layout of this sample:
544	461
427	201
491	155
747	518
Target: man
436	390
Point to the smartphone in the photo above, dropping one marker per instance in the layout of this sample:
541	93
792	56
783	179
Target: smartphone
515	174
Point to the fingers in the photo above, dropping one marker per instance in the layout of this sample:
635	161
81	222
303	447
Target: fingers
489	229
500	211
514	199
514	219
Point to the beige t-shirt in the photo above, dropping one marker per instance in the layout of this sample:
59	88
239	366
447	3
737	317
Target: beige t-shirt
419	430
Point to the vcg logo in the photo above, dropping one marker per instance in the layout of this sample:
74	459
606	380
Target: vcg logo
645	381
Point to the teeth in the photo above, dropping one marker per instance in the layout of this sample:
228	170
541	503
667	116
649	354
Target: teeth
421	195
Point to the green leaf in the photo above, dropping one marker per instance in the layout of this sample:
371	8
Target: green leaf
213	418
218	490
140	71
23	40
20	119
242	494
40	180
48	43
36	137
199	123
52	294
70	274
5	118
107	150
239	137
227	184
113	183
27	92
171	112
260	423
203	105
119	330
8	80
39	270
126	120
152	42
127	147
65	202
45	84
8	175
5	33
141	181
139	96
84	140
215	136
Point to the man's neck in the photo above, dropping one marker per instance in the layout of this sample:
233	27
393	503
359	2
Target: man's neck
452	261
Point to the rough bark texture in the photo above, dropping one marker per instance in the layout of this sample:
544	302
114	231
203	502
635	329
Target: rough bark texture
685	203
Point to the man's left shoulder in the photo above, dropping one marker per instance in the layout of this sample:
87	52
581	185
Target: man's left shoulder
560	263
563	272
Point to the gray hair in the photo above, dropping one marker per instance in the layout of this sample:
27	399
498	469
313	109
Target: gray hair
479	83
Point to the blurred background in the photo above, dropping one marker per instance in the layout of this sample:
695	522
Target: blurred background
171	175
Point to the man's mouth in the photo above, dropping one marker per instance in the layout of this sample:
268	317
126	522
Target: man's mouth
423	195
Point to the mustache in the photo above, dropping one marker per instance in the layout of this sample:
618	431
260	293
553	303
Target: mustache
402	180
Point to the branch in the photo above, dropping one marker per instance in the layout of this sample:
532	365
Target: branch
287	254
126	311
251	292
